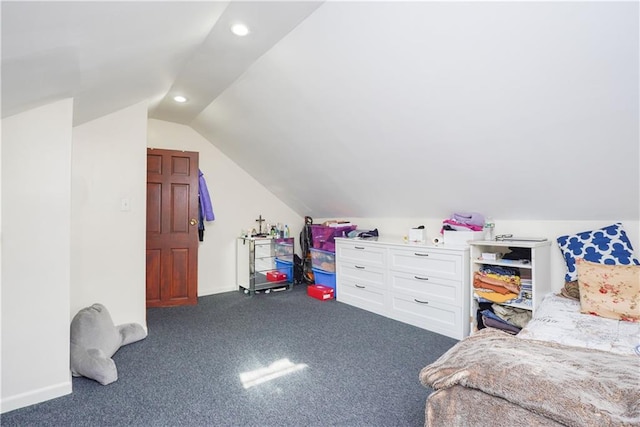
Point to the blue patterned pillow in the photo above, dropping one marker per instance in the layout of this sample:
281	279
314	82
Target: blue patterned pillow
608	245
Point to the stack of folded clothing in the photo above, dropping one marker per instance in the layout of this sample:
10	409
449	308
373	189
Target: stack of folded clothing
472	221
508	319
497	284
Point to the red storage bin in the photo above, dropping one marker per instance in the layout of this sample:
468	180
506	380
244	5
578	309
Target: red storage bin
323	237
276	276
320	292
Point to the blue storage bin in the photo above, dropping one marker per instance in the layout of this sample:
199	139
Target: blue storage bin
285	267
325	278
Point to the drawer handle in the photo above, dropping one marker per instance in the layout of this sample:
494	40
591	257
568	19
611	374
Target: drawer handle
421	302
419	254
421	278
360	267
359	247
359	286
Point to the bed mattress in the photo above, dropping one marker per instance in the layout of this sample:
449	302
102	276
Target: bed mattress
558	319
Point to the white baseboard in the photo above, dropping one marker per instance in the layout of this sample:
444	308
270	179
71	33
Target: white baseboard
35	396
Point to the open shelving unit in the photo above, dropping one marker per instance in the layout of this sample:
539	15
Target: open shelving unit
534	268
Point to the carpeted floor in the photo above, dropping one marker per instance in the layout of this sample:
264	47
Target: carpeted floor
361	369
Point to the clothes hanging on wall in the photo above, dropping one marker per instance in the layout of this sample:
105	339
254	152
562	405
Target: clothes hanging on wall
205	208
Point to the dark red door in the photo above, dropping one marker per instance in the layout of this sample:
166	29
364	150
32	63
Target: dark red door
172	228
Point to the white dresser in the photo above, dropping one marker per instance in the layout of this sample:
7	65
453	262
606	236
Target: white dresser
424	285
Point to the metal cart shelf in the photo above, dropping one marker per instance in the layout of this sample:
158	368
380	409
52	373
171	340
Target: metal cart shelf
257	257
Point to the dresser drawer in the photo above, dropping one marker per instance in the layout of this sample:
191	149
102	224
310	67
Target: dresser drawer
441	318
363	274
429	263
361	253
429	288
363	296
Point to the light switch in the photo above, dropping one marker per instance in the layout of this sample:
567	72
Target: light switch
125	205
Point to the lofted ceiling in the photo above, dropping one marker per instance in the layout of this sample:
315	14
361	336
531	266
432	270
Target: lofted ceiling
520	110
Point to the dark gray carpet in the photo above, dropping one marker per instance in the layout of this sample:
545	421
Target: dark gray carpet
362	369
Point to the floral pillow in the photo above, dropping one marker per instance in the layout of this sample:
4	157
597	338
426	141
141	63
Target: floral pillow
608	245
611	291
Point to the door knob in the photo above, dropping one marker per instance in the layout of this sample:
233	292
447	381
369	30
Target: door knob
193	221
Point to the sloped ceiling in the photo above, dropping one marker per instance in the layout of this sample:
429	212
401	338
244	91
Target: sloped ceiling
520	110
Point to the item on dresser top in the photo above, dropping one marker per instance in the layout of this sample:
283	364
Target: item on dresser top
450	224
453	237
512	238
469	218
363	234
418	234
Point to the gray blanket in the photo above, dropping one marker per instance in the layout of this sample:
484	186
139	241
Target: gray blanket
568	385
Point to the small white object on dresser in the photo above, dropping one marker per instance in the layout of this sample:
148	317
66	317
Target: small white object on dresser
534	269
424	285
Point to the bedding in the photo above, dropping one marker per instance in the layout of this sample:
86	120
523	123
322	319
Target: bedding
611	291
551	383
559	320
564	368
608	245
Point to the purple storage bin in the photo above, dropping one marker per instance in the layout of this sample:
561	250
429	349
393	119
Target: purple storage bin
323	237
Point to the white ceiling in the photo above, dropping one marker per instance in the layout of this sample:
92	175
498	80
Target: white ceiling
520	110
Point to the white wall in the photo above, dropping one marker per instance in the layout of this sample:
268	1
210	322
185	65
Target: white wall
398	227
451	103
237	200
107	242
36	187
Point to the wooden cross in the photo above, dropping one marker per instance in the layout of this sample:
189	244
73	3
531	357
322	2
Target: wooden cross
260	221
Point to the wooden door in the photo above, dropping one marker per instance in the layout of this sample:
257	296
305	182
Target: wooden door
172	228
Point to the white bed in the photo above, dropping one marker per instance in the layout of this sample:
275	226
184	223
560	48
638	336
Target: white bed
563	369
558	319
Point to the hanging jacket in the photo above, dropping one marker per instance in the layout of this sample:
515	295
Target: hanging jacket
205	200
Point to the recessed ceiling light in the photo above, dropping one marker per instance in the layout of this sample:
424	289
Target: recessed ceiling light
179	98
239	30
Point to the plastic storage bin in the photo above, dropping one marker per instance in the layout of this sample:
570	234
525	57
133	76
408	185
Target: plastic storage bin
325	279
285	267
323	237
284	249
323	260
